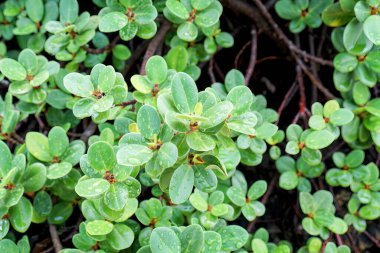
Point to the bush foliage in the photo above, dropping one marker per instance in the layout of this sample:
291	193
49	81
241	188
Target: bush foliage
155	163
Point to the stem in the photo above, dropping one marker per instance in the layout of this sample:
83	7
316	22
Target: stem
372	239
105	49
253	58
154	43
55	238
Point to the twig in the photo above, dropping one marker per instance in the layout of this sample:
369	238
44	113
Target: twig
90	130
294	50
338	240
126	103
252	61
211	70
302	103
372	239
314	80
18	138
288	97
154	43
41	124
264	200
265	21
353	243
55	238
241	51
105	49
135	56
314	91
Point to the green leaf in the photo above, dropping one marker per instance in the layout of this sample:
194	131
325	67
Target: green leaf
4	228
286	9
257	189
112	22
58	141
187	31
58	170
68	10
106	79
200	141
5	159
233	237
307	203
60	213
156	69
177	8
319	139
116	196
34	177
200	4
339	226
192	239
164	240
133	155
12	69
216	114
101	156
354	39
259	246
181	184
78	84
6	245
345	62
177	58
92	188
121	237
99	227
236	195
35	10
148	121
21	215
334	16
213	242
38	145
42	203
341	117
372	29
184	92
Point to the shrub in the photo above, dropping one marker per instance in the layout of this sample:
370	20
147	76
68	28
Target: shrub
104	138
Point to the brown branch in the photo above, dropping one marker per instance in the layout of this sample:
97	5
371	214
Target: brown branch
126	103
135	56
211	70
237	58
265	22
372	239
55	238
105	49
314	80
154	43
253	58
288	97
264	200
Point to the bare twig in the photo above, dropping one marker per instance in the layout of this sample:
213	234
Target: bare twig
372	239
264	200
252	61
288	97
135	56
211	70
295	51
105	49
154	43
55	238
241	51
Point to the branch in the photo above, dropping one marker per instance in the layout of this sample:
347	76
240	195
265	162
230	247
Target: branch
372	239
253	58
154	43
55	238
105	49
266	21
